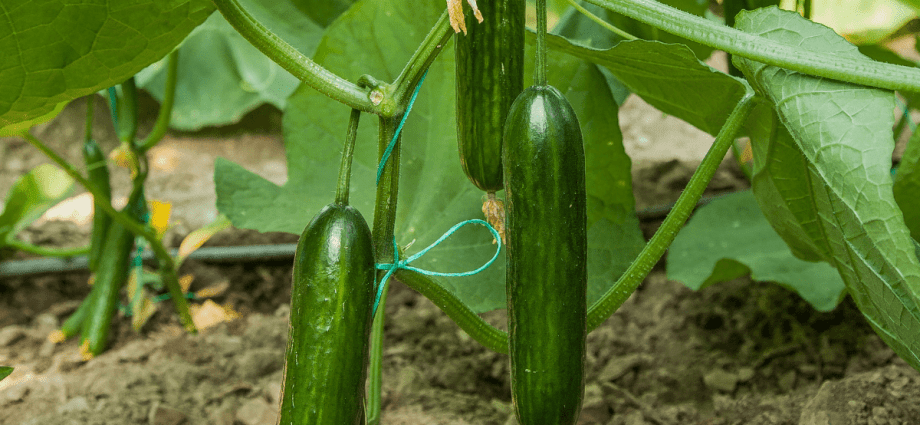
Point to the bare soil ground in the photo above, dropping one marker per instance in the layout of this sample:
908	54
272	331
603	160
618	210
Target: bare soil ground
736	353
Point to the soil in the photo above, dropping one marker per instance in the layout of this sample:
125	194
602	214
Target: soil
741	352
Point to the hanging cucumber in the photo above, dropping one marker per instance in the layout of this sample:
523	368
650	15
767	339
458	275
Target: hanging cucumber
98	173
490	75
332	296
546	281
114	266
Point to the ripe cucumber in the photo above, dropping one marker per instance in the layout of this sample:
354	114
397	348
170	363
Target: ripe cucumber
98	173
490	75
546	280
332	296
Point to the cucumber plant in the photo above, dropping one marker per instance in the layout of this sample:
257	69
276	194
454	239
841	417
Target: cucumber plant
825	188
332	296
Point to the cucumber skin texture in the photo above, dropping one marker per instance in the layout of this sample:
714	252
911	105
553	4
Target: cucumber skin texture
546	280
99	176
332	296
490	75
114	267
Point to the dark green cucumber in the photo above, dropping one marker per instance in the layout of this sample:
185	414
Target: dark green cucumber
490	75
332	296
114	266
98	173
546	281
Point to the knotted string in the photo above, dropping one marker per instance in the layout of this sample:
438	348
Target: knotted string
404	264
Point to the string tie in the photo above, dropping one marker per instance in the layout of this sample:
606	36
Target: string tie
397	264
389	149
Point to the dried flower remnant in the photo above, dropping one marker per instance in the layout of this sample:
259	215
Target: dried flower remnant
455	10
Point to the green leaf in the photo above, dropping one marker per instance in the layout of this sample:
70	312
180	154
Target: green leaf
14	130
650	33
822	162
32	195
323	12
730	238
433	193
907	185
222	76
54	51
5	371
667	76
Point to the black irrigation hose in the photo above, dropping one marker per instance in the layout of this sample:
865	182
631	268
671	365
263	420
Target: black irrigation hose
216	254
231	254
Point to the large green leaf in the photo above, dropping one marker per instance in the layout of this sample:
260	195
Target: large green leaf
377	37
667	76
822	161
222	76
31	196
730	238
55	50
907	185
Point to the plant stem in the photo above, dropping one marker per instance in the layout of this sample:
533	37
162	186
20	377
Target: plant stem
484	333
664	236
387	191
88	131
423	57
760	49
539	71
167	265
601	22
47	252
169	96
289	58
375	367
341	192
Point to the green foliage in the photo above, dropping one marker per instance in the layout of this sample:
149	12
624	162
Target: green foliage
667	76
907	185
730	238
822	153
433	193
5	371
54	50
222	76
32	195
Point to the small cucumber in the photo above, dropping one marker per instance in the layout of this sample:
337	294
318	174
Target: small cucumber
332	296
546	280
114	266
98	173
490	75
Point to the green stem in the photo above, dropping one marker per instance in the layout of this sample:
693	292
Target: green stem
167	265
47	252
169	96
375	367
664	236
760	49
484	333
738	154
601	22
341	192
88	131
539	71
423	57
127	111
387	191
289	58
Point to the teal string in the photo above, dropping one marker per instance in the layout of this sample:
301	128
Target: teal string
389	149
404	264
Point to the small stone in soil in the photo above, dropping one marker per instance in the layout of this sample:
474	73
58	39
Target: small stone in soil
161	415
257	411
10	335
721	380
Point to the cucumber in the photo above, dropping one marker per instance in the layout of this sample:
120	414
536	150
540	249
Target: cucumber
114	267
332	296
98	173
490	75
546	281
